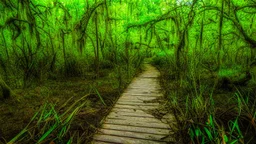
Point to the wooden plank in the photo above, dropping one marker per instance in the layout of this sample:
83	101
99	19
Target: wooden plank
131	114
138	98
143	85
137	103
124	140
100	142
143	123
135	107
138	119
150	75
142	94
132	134
132	90
152	101
136	129
131	100
146	88
139	111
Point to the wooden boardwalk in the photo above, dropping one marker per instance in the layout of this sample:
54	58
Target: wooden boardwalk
130	121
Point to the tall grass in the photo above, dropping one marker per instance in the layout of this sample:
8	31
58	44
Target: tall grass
202	115
50	124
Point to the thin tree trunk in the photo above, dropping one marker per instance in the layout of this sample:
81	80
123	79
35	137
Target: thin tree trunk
64	51
220	36
202	32
97	46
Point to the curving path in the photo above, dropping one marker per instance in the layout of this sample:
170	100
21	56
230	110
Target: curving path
130	121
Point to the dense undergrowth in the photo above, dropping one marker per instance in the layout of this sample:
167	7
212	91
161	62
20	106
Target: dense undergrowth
210	107
62	109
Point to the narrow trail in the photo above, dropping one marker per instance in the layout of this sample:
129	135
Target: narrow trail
130	121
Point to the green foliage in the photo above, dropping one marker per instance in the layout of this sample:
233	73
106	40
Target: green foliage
73	66
162	58
192	41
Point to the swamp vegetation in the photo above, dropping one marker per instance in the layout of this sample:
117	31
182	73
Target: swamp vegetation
64	63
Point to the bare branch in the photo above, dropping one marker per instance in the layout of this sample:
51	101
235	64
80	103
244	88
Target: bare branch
236	23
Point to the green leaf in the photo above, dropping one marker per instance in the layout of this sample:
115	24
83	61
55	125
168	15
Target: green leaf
23	131
42	113
47	133
101	99
208	133
225	138
71	116
191	133
198	132
211	121
69	141
234	142
235	126
12	141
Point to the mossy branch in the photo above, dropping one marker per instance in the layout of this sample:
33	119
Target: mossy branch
83	23
236	22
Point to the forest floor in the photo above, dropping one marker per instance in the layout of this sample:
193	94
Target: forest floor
16	113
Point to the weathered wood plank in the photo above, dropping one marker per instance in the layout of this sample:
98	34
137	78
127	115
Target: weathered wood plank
140	111
114	114
143	85
143	91
146	88
131	100
137	119
136	129
142	94
132	134
142	123
100	142
124	140
137	103
138	98
145	107
134	98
